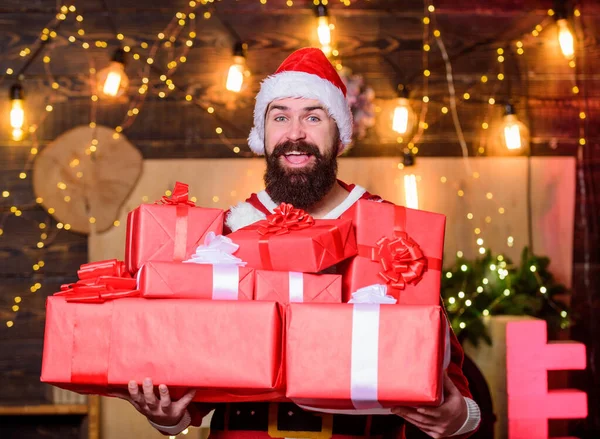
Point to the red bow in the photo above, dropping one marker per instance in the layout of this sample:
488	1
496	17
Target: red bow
179	196
402	260
100	281
285	220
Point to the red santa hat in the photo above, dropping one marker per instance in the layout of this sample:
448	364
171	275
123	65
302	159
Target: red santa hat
306	73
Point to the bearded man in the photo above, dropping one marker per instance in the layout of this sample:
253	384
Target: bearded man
302	123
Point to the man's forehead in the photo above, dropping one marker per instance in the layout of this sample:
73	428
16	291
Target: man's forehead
296	103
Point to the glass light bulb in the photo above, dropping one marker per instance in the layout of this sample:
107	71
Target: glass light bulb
235	76
515	133
403	117
323	31
112	80
17	114
565	39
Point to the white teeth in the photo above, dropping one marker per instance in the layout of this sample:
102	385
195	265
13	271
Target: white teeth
296	153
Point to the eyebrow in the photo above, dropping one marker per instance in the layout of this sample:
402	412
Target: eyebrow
305	109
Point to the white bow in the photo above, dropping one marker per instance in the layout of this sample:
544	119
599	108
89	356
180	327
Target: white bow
375	293
216	250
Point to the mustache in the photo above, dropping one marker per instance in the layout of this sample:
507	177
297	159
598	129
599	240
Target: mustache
300	146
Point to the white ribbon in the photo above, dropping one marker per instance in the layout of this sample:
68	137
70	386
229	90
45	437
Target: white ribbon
375	293
226	281
216	250
296	282
365	356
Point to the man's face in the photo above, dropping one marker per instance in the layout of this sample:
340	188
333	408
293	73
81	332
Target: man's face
301	147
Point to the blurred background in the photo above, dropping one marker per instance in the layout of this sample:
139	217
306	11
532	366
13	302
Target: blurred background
485	111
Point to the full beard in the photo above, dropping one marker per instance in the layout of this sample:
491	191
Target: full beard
301	187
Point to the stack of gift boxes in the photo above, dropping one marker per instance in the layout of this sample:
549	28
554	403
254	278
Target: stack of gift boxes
251	316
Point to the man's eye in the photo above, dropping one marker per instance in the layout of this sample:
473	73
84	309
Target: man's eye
279	118
313	118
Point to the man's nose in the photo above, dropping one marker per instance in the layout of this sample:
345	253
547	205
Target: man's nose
296	130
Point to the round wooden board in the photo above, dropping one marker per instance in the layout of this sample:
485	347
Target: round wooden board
97	183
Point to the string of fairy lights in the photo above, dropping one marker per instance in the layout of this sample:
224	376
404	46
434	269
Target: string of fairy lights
112	83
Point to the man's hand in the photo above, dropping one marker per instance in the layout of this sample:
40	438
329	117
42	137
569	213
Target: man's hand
161	411
442	421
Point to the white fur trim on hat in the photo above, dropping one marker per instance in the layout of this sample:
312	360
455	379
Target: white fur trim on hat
291	84
243	214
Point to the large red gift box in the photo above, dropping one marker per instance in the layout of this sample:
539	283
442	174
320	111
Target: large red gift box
400	247
291	240
288	287
364	356
164	280
229	350
170	231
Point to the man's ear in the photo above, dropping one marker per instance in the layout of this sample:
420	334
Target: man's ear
340	148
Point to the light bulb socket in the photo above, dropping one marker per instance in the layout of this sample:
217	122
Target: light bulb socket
408	158
403	91
321	10
119	56
509	109
240	49
561	10
16	92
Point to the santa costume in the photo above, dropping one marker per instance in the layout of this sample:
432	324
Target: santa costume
308	74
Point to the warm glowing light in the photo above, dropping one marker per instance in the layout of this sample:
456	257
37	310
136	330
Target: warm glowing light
235	76
565	39
323	30
403	117
410	191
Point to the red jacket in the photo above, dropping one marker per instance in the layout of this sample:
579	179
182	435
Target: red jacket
199	411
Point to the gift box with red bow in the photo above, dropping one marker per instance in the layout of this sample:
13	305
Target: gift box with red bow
229	350
169	230
398	247
366	357
292	240
291	287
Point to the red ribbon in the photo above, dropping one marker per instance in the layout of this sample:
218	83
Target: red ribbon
180	196
100	281
285	219
401	258
179	199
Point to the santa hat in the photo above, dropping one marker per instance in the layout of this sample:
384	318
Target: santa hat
306	73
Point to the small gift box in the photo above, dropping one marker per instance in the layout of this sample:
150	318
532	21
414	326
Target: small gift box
400	247
368	357
169	230
230	351
292	240
213	272
289	287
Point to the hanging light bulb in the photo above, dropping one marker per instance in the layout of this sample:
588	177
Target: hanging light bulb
323	29
411	195
515	133
17	111
403	116
565	39
237	70
112	80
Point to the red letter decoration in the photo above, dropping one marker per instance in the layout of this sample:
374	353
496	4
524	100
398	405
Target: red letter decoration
528	358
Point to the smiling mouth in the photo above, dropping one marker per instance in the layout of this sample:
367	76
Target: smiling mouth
296	158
